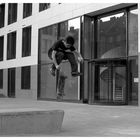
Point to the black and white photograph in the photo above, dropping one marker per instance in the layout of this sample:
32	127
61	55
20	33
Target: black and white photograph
69	69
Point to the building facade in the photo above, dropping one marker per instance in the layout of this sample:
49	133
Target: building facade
106	35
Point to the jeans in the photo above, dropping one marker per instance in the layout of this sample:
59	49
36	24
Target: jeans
66	56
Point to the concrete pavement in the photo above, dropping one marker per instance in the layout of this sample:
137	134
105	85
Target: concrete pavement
84	120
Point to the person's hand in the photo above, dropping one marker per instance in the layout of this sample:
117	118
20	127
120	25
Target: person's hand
80	59
57	67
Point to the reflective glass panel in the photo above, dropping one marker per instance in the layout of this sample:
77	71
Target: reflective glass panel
111	36
47	36
133	32
71	27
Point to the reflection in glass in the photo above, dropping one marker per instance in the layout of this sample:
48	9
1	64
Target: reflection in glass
48	36
110	83
1	47
133	32
111	36
133	97
71	27
2	14
133	56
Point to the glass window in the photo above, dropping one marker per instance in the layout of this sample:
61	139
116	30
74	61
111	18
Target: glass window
12	13
133	32
11	45
133	55
134	79
27	10
1	47
1	79
26	41
11	87
47	36
2	14
70	27
111	36
44	6
25	77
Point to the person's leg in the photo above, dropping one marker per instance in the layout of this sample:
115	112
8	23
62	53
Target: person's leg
74	65
59	57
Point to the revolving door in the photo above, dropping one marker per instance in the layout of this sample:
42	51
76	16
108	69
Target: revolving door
110	82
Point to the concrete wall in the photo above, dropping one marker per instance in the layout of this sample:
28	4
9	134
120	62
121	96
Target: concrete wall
20	93
24	93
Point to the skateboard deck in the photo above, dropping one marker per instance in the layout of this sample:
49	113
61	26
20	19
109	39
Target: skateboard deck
60	84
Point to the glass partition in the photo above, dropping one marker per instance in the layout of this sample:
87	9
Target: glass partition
111	36
70	27
47	36
133	55
133	32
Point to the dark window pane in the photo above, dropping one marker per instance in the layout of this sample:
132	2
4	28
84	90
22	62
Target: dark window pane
111	36
2	14
47	36
27	10
1	79
26	42
133	32
1	47
12	13
44	6
11	45
25	77
11	82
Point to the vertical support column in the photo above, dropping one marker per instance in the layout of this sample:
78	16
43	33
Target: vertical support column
86	53
139	53
19	11
6	15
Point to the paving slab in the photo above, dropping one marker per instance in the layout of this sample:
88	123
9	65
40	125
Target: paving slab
83	120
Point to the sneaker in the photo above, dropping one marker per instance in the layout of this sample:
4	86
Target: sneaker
74	74
52	70
60	96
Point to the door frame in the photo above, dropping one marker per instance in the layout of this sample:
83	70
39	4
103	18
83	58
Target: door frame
92	76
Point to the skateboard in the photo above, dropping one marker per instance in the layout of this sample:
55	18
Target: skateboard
60	83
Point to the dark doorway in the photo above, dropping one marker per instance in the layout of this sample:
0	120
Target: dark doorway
110	82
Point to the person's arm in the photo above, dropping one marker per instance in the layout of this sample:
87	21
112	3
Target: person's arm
54	59
79	56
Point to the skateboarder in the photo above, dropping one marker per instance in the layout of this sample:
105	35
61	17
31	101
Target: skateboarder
64	50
